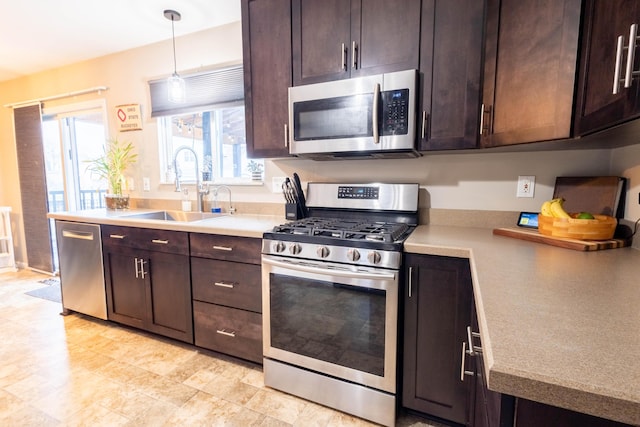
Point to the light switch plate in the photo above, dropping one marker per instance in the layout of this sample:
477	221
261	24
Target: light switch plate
276	183
526	185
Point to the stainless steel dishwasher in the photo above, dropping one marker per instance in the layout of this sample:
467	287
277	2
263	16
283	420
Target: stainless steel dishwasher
81	273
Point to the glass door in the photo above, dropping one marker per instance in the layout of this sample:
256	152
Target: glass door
72	135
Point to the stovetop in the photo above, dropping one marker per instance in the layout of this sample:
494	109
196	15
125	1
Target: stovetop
345	229
356	224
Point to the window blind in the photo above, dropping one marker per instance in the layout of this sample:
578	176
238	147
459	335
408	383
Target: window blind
217	88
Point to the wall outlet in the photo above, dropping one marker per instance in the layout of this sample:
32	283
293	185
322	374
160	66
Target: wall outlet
526	185
146	184
276	183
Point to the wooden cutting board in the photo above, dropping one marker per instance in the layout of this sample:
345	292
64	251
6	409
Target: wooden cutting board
578	245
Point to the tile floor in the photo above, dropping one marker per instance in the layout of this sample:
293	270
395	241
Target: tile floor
78	371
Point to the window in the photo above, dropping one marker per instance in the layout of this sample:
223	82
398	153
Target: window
210	122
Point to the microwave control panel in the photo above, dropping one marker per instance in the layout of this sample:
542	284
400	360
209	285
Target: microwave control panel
395	112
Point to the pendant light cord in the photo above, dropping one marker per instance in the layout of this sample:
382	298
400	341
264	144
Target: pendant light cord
173	36
173	16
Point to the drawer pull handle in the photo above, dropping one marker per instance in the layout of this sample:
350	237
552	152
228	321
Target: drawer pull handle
160	241
117	236
463	371
472	349
224	284
223	332
222	248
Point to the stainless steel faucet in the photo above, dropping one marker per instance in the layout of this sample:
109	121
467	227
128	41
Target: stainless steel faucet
215	190
201	188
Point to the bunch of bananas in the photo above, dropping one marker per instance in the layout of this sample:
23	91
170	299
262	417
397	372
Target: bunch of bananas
554	209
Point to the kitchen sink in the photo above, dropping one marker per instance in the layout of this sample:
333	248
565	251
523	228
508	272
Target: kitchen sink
171	215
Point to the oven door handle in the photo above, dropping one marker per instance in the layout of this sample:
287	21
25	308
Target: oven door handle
306	268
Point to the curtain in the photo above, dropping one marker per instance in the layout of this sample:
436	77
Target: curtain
33	187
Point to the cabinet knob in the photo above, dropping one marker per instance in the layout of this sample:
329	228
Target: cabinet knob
374	257
353	255
279	247
323	251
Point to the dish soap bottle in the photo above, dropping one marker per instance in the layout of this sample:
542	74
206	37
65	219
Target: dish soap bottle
186	203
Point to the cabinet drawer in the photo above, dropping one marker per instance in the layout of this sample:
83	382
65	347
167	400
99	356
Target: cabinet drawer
227	283
226	248
175	242
228	330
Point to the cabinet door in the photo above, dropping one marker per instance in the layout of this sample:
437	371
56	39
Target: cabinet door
321	40
530	65
336	39
126	288
451	65
437	311
386	36
266	41
596	105
169	295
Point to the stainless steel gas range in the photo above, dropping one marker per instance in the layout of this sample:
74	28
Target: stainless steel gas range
330	290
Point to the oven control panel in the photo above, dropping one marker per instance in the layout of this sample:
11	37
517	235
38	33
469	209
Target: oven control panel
358	192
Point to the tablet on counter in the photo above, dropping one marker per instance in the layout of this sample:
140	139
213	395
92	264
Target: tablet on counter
528	220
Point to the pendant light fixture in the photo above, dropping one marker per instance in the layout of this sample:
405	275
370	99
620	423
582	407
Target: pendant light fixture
175	83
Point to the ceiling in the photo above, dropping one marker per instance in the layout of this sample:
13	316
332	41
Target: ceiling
37	35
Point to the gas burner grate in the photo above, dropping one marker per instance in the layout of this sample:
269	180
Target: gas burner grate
345	229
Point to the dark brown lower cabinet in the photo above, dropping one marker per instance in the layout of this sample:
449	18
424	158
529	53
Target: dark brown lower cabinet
148	289
437	380
438	300
227	295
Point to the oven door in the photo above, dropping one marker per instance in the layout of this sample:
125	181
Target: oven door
334	319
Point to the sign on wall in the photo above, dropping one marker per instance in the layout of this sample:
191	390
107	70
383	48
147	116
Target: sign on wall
128	117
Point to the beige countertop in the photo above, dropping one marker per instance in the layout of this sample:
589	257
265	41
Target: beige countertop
244	225
557	326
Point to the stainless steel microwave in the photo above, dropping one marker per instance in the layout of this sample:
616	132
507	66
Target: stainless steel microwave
373	116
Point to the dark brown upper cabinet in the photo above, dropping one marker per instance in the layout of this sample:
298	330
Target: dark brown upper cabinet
531	49
597	106
451	68
266	41
338	39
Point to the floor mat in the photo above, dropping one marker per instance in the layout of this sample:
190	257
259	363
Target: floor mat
50	292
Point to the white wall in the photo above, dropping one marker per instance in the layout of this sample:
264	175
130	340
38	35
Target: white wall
482	180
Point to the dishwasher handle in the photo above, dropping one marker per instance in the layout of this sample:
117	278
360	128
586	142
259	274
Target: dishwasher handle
81	235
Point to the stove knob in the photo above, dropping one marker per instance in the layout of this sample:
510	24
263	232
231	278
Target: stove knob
295	249
374	257
279	247
353	255
323	251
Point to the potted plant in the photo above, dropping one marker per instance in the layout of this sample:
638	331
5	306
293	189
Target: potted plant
110	167
256	170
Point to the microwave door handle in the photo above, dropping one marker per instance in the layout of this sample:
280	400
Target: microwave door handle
374	118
